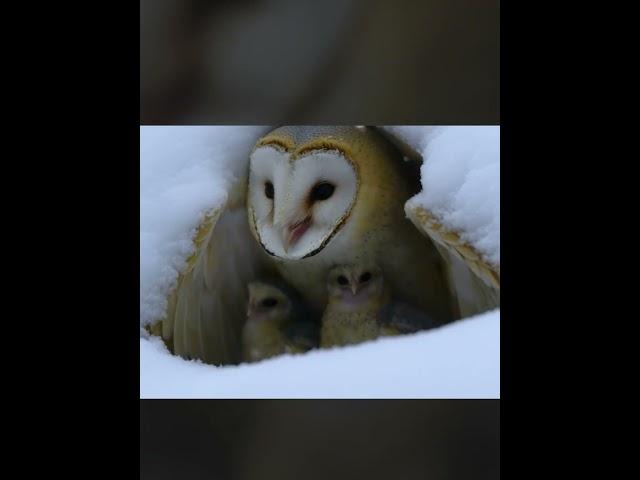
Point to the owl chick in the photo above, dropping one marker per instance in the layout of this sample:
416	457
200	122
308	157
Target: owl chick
276	323
356	295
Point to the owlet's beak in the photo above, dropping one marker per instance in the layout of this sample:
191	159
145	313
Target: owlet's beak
250	300
353	284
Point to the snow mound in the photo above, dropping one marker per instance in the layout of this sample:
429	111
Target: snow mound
461	360
184	171
461	181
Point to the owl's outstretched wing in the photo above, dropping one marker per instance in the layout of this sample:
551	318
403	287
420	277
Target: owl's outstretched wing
476	282
207	309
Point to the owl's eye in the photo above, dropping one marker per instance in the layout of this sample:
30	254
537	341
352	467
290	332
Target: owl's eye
322	191
268	190
269	302
365	277
342	280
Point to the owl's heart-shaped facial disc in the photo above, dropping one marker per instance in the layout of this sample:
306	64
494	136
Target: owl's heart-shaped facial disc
298	204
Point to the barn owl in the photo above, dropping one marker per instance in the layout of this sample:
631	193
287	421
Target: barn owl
320	197
356	295
276	324
313	198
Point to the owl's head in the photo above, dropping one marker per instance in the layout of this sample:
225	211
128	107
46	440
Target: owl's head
355	285
267	302
300	194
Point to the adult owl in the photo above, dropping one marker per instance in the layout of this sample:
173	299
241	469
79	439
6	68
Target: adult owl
313	198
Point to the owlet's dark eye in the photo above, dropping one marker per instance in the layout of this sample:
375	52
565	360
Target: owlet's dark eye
269	302
342	280
268	189
322	191
365	277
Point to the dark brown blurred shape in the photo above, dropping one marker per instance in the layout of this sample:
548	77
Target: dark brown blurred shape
331	439
335	61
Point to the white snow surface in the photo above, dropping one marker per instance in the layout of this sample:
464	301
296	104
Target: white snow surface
461	360
461	180
185	171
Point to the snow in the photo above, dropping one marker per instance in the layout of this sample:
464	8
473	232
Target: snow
461	181
186	171
461	360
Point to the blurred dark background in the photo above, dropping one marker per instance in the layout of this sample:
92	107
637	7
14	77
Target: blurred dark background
335	61
313	439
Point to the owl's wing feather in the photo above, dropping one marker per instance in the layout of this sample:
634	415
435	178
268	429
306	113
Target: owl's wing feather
207	308
406	318
477	283
303	336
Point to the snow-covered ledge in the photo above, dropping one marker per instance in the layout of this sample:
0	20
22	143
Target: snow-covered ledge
461	360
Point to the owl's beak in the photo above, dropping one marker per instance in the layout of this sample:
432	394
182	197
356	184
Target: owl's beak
293	231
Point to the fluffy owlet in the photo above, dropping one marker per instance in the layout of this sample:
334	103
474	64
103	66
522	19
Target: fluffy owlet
357	294
275	324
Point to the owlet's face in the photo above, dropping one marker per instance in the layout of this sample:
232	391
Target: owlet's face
299	204
267	303
352	286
